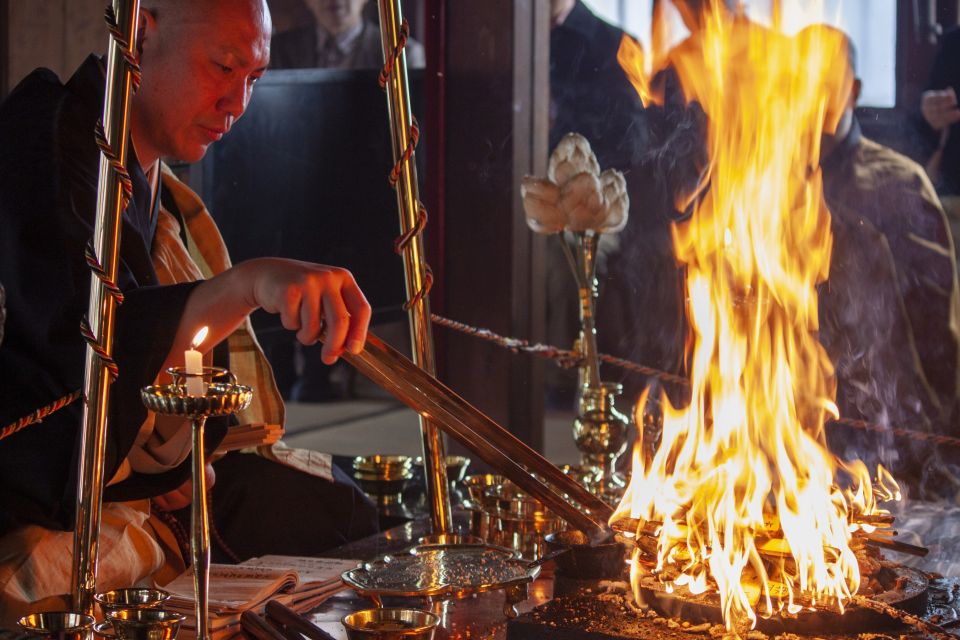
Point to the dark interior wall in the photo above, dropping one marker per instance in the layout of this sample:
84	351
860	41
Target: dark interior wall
4	49
495	121
57	34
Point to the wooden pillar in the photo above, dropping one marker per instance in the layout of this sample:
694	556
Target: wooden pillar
495	123
4	49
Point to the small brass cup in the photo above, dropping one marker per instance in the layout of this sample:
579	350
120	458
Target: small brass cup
390	624
383	477
478	484
145	624
58	625
131	598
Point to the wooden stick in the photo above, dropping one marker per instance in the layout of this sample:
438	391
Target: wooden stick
255	625
896	545
874	519
295	622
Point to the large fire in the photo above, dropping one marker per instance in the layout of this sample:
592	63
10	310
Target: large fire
742	494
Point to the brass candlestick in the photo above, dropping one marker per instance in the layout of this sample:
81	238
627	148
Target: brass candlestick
600	431
223	396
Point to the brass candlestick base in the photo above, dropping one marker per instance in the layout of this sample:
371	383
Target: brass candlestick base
600	432
223	397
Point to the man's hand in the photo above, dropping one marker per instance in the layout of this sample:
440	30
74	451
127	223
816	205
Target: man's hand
314	299
939	108
183	495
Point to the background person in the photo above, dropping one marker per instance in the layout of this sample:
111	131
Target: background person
340	37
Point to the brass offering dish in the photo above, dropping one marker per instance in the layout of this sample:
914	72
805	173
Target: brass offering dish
482	507
457	467
131	598
144	624
444	571
390	624
521	521
503	514
383	477
58	625
477	484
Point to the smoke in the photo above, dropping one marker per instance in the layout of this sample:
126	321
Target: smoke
868	336
935	526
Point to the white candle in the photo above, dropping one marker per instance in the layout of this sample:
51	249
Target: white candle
193	363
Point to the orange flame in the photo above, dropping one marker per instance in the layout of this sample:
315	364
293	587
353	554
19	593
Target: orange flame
631	59
742	486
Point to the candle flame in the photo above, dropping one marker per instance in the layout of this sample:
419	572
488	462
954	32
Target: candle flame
200	337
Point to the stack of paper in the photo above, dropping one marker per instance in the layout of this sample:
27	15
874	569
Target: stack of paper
298	582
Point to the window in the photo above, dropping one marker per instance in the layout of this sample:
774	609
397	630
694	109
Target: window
871	24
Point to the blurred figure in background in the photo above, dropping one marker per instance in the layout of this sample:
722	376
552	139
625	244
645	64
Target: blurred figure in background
941	125
890	309
340	37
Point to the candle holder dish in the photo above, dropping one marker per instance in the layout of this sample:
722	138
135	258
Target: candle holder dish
222	396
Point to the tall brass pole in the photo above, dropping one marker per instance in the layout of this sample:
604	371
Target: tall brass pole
112	195
404	133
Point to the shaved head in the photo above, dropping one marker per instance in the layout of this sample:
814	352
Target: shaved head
199	59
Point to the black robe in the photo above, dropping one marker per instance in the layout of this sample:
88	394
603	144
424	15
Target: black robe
48	178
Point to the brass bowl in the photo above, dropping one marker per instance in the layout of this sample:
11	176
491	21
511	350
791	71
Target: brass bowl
63	625
383	467
457	467
145	624
512	502
383	491
390	624
478	484
131	598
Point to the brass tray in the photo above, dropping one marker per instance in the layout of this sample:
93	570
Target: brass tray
444	571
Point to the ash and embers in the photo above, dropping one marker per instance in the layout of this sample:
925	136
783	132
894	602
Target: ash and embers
608	611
